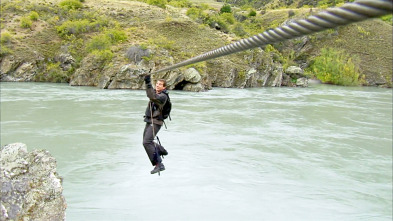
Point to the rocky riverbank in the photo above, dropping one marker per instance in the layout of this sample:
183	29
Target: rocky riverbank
30	187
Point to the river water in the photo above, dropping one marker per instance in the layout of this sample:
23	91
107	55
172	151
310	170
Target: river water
317	153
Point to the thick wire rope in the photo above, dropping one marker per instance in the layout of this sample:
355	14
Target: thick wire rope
331	18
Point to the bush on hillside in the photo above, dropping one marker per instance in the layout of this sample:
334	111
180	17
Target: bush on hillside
226	9
25	22
228	18
99	42
52	73
74	27
252	13
335	67
115	35
193	13
4	50
103	56
388	19
198	14
180	3
105	40
77	27
158	3
213	21
71	4
5	38
34	16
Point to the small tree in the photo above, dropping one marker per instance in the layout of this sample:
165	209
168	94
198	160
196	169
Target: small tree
226	9
252	13
158	3
34	16
335	67
25	22
71	4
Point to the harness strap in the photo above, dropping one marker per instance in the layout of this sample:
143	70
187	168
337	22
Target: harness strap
151	117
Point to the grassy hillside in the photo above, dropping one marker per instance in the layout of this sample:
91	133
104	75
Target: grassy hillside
369	42
275	4
41	30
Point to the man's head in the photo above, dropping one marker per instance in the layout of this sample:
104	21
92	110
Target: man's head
160	85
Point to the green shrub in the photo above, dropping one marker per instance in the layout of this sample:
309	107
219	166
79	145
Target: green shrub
388	19
103	56
25	22
5	38
11	6
53	73
34	16
335	67
228	17
99	42
71	4
220	21
252	13
76	47
204	6
105	40
158	3
180	3
73	27
4	50
226	9
193	13
77	27
115	35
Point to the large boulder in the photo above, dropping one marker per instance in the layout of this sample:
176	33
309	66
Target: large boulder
302	82
66	61
128	77
17	69
294	70
31	189
136	53
192	75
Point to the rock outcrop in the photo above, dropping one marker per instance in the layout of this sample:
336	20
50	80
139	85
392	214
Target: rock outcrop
30	187
15	69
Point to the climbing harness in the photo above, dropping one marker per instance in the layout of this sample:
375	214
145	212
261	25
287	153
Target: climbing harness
331	18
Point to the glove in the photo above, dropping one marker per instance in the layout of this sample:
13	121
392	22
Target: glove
147	79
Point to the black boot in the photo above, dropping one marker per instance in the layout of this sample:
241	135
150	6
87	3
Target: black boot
161	150
159	167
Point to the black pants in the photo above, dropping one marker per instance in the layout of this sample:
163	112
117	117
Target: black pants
149	144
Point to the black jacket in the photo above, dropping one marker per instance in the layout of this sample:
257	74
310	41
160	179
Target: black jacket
155	104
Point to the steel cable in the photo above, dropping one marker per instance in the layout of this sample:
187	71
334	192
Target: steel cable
331	18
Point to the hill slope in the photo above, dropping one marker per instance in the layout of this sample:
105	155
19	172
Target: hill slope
101	32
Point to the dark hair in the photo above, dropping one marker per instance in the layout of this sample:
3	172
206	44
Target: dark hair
163	82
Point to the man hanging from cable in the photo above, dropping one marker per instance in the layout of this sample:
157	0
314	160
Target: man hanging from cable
154	120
